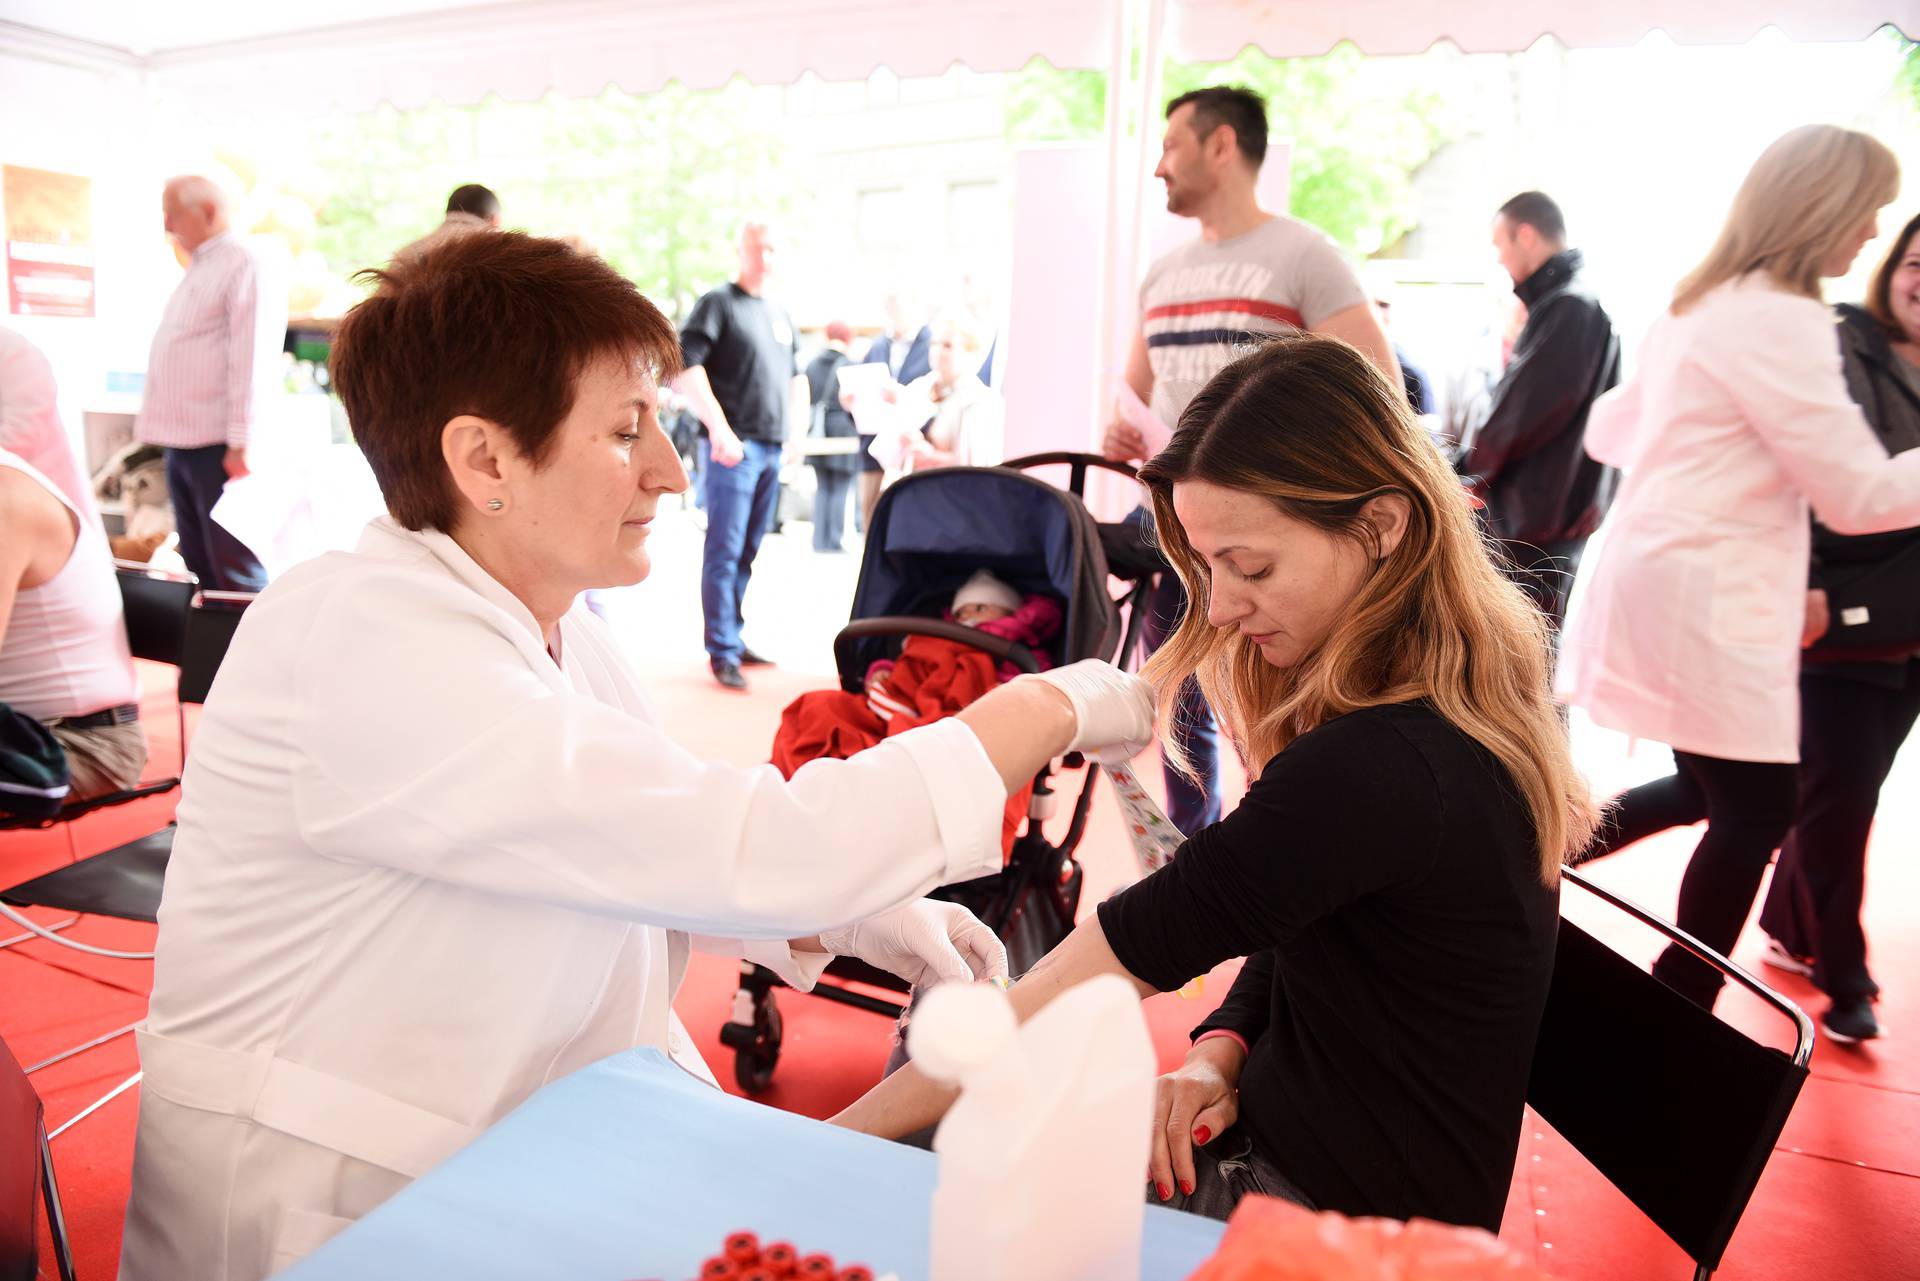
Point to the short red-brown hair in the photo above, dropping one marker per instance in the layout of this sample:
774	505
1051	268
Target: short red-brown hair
499	325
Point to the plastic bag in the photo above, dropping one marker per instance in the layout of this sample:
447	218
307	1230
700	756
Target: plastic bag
1272	1240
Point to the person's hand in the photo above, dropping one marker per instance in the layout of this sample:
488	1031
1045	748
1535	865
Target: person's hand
925	942
725	448
1113	710
891	393
235	461
1818	618
1192	1105
846	401
1124	443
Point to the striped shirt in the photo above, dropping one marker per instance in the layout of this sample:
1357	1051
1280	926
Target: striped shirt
219	336
1201	303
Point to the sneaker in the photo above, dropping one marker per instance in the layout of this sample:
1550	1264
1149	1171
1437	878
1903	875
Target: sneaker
1850	1019
728	674
1779	958
750	659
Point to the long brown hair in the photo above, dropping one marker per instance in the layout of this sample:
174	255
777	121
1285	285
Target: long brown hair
1880	293
1309	424
1806	194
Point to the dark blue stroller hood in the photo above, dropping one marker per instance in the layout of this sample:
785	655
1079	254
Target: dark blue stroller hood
932	530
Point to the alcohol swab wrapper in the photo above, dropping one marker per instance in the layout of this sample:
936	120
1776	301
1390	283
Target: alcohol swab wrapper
1154	837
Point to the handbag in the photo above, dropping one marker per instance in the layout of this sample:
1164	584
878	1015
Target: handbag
1873	608
34	779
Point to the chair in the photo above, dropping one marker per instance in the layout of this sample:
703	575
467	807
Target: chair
1679	1110
155	605
26	1174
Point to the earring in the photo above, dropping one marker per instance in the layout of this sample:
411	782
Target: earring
494	504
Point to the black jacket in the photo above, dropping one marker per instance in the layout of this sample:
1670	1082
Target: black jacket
829	418
1892	407
1528	456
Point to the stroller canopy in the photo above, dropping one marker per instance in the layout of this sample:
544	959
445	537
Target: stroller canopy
932	530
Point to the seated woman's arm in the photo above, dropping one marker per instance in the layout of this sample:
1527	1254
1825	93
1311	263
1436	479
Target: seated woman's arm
1348	810
909	1100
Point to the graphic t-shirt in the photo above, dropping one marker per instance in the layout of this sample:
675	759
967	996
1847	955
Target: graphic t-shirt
1201	304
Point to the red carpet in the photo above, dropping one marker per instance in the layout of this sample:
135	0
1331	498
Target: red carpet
1841	1197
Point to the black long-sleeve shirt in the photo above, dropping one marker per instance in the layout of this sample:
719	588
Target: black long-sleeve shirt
1381	879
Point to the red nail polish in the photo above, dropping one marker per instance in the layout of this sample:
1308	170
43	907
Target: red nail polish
1186	1187
1202	1134
1166	1194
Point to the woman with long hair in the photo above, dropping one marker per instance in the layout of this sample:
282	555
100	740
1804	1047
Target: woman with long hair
1859	697
1392	874
1687	626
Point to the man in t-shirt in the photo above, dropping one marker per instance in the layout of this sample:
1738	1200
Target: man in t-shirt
743	380
1251	273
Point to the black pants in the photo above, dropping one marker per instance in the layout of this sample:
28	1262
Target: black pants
1545	573
1749	808
195	479
1850	731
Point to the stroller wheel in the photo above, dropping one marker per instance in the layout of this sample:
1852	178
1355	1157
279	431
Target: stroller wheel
754	1060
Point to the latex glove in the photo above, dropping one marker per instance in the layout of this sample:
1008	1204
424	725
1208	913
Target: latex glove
1112	710
925	942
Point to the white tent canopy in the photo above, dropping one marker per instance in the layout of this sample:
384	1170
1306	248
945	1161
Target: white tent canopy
409	51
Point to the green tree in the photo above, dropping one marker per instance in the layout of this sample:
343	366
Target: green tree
1356	141
658	183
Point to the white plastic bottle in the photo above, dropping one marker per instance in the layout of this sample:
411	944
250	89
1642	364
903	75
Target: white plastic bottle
1043	1159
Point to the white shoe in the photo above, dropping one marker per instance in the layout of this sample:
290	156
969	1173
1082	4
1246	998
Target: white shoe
1779	958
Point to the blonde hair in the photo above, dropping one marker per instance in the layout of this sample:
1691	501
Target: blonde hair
1803	198
1309	424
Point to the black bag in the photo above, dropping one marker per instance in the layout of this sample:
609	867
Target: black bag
1873	609
34	780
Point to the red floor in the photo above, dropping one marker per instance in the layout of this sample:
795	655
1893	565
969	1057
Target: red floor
1841	1197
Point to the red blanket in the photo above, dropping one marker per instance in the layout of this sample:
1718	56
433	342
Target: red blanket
931	679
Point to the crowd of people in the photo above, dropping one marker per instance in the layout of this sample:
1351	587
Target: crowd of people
429	776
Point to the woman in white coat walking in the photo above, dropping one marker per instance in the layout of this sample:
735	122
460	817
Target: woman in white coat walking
1687	626
434	849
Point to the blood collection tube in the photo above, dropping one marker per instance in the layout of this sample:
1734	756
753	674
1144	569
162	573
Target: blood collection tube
816	1267
780	1258
855	1272
719	1269
743	1248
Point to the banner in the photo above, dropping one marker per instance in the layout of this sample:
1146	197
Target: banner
49	242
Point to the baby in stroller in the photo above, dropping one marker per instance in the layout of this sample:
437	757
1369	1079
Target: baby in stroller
986	604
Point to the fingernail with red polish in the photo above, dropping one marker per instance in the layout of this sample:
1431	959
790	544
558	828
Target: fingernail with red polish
1202	1134
1186	1188
1166	1194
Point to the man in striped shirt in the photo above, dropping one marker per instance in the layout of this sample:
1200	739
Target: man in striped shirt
1251	273
219	335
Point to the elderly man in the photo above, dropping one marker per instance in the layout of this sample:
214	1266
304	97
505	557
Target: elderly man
219	333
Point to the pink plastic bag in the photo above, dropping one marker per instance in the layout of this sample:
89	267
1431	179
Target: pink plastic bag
1270	1240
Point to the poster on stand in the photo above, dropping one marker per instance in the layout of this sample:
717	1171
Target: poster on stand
49	225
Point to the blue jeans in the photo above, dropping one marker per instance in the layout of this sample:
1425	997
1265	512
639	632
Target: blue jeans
1191	806
220	561
739	513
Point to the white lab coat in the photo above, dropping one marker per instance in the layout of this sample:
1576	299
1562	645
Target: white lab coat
1685	623
422	870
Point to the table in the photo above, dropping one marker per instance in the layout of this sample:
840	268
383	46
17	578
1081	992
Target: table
631	1168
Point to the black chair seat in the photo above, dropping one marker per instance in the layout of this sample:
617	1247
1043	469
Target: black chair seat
1677	1109
123	882
68	813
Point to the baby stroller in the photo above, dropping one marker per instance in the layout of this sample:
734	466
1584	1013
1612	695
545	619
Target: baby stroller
930	531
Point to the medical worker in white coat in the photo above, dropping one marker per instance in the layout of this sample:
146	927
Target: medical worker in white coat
1686	628
434	851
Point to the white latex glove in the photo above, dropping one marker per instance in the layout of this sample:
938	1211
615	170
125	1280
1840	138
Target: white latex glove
925	942
1112	709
